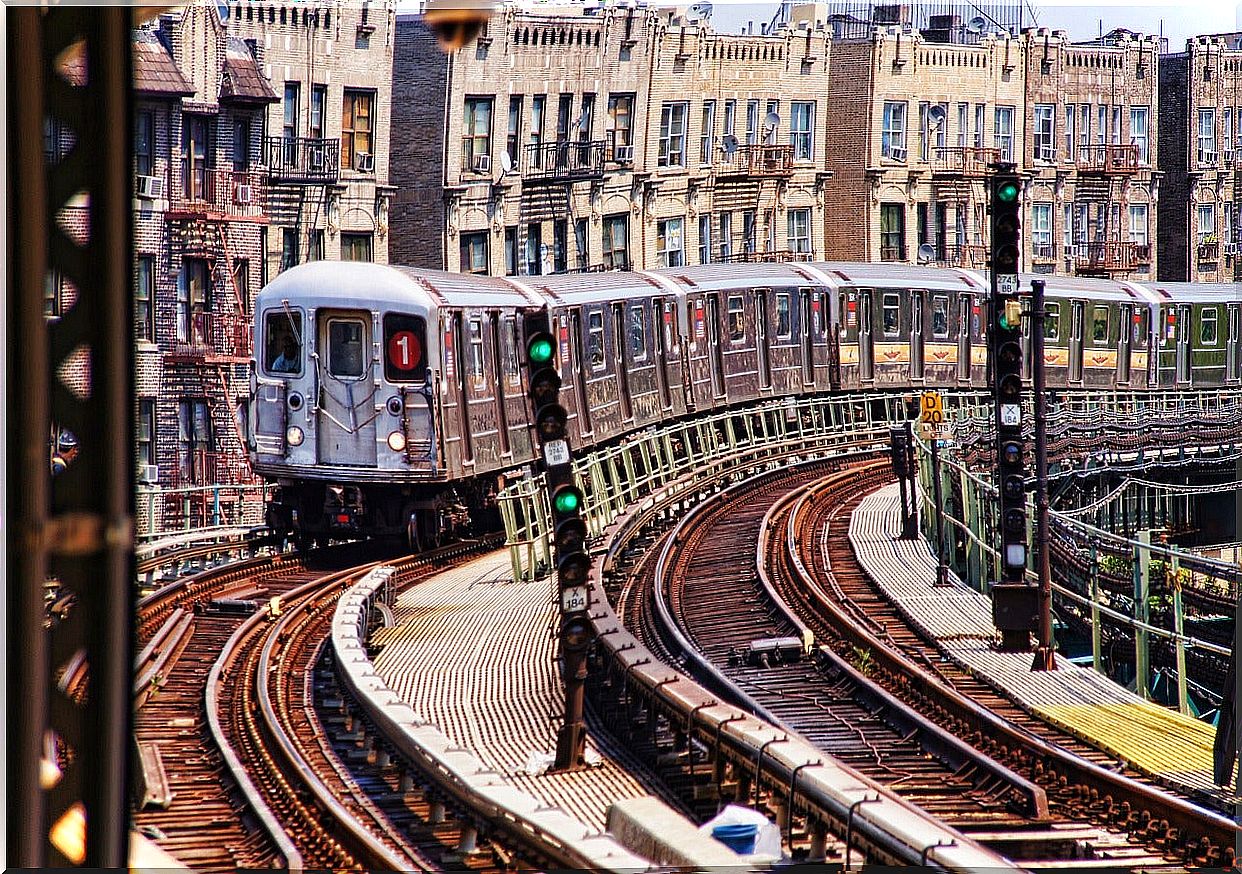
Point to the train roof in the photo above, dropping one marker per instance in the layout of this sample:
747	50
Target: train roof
1088	287
720	277
1215	292
884	274
586	288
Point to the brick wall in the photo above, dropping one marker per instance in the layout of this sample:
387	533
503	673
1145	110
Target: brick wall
1174	145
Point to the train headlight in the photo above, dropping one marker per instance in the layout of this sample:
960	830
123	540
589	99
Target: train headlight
396	441
294	436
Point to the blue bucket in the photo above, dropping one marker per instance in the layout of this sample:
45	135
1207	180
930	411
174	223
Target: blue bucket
739	838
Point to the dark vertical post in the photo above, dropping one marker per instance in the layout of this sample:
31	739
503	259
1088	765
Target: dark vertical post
942	568
1045	650
912	472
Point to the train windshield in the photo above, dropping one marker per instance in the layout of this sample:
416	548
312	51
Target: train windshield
282	350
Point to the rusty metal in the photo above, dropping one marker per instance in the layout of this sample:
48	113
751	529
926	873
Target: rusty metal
1045	651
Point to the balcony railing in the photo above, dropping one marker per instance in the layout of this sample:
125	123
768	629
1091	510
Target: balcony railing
1110	256
775	256
1043	251
565	161
1108	159
961	256
208	192
963	160
305	160
1209	250
757	162
206	336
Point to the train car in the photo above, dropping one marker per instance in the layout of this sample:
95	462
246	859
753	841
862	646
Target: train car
380	394
1197	342
903	325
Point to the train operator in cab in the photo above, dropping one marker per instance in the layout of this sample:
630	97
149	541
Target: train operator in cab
290	358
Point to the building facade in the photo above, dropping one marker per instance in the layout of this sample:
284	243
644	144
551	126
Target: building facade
325	140
1200	142
628	139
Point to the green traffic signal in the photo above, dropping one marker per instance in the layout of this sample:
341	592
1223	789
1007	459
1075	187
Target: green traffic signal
567	500
540	349
1007	192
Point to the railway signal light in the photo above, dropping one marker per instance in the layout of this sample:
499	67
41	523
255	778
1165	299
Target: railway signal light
1006	222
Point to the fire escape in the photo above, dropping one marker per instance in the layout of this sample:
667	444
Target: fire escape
549	172
300	173
959	176
1105	172
740	169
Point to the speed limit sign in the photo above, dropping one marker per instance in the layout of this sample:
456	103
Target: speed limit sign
931	408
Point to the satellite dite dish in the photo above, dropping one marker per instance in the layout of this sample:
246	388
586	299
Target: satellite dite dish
729	144
937	114
772	120
506	163
926	253
977	25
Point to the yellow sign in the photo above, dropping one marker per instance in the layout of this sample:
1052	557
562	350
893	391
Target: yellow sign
931	408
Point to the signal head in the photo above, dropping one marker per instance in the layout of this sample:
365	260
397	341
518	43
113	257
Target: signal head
545	385
1014	487
1011	452
1009	388
550	422
570	536
540	347
567	500
573	569
1009	355
576	633
1007	190
1015	520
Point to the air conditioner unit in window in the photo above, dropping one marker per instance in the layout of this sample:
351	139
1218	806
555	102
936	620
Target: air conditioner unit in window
149	187
482	164
243	193
897	153
623	154
1231	248
364	162
149	473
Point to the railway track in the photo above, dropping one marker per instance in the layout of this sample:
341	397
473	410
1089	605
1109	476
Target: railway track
717	605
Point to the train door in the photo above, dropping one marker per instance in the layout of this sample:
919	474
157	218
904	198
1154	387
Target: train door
866	347
579	364
965	307
810	330
500	359
715	354
917	358
1077	313
618	360
1233	360
1183	342
762	350
1124	343
663	313
346	427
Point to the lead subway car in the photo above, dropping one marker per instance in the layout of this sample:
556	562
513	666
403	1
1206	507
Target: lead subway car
380	394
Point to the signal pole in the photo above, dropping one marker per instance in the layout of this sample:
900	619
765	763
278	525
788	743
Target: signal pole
573	565
1045	652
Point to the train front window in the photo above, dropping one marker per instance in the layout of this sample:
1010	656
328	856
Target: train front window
1099	325
346	347
940	316
1052	321
405	343
891	312
282	344
1207	327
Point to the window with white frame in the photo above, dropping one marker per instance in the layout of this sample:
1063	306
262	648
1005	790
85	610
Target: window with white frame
1084	125
1067	228
1045	144
1207	136
752	122
707	132
963	124
1003	137
1138	223
1207	327
1116	129
1206	213
669	252
673	135
1101	124
1226	134
1041	229
476	131
893	131
726	235
705	238
1138	131
801	129
1069	131
799	237
980	114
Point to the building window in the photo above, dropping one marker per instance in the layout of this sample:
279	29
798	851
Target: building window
801	129
534	249
770	130
673	135
1138	223
748	231
1069	132
1045	133
511	250
564	108
726	235
144	309
752	122
1207	327
980	114
289	130
53	287
356	247
799	236
194	440
1041	229
730	118
144	142
581	243
537	104
1084	127
707	132
560	246
357	127
615	241
315	250
193	301
241	145
1207	221
586	119
963	124
1004	132
669	252
620	122
705	238
146	431
319	99
893	132
892	232
1138	131
514	136
1207	136
241	283
197	139
288	248
476	133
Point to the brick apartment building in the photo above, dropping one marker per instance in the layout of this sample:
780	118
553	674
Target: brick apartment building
631	138
919	117
1200	142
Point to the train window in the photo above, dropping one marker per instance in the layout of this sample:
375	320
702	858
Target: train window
891	307
405	343
346	342
638	333
670	344
784	324
1207	327
282	349
476	348
737	324
1142	327
1168	319
1099	325
509	349
1052	321
595	338
940	316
